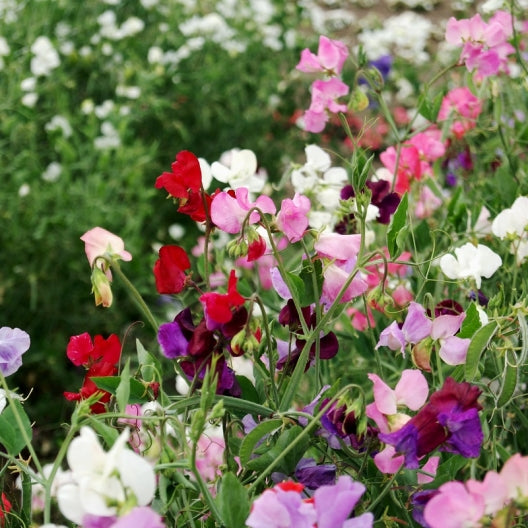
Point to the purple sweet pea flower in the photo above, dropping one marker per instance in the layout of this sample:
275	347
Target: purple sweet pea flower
314	476
334	504
13	343
96	521
453	350
450	421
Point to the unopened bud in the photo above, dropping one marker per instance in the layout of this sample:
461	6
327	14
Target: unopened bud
101	288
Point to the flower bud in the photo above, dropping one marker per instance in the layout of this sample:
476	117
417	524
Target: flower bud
101	288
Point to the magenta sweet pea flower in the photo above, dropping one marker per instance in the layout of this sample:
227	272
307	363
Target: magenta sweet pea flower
335	277
325	94
331	55
336	246
229	209
292	218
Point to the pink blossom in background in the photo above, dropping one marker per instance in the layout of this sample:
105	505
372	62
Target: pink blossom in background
336	246
406	167
229	209
463	108
335	278
292	218
485	46
331	55
427	203
325	94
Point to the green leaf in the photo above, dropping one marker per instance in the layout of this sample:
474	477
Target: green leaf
479	343
311	271
249	392
137	394
233	501
398	223
148	363
471	323
253	437
123	389
11	433
297	284
291	459
509	378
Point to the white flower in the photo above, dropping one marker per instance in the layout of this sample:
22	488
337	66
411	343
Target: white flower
28	84
131	92
99	482
109	139
512	221
52	172
30	99
24	190
238	168
103	110
59	122
46	57
471	262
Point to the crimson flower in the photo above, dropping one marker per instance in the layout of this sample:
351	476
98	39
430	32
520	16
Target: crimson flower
169	269
184	183
218	307
100	358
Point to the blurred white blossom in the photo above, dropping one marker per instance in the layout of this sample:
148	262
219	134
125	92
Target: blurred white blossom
59	122
52	172
109	139
45	57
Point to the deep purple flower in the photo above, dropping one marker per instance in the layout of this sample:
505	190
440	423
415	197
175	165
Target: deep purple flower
450	421
447	307
338	420
387	202
419	500
195	347
288	356
312	475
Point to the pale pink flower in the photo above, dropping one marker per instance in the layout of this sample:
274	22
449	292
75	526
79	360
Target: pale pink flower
292	218
228	212
454	506
336	246
334	279
331	55
99	242
453	349
514	473
493	489
387	461
429	467
411	391
325	94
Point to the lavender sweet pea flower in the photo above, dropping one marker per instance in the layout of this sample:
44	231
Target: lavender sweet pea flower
453	350
334	504
140	517
13	343
417	326
314	476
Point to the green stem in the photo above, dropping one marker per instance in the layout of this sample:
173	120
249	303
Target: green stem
135	296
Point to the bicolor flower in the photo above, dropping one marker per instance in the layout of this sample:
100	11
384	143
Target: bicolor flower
13	343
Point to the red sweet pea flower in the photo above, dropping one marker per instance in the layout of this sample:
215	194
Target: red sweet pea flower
169	269
5	507
218	307
185	176
100	358
81	350
185	183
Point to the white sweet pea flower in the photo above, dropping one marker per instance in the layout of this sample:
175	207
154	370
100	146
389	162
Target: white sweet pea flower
101	483
238	168
45	57
471	262
512	221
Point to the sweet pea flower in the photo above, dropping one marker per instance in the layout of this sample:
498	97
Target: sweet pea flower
331	55
101	483
325	94
336	246
453	349
512	222
13	343
462	109
335	503
417	326
99	242
229	209
292	218
471	262
514	474
169	269
238	168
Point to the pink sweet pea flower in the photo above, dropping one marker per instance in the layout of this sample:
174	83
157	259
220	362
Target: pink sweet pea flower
99	241
405	165
429	467
387	461
324	99
229	209
454	506
331	55
463	108
411	390
514	474
453	350
493	489
336	246
335	277
427	203
292	218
